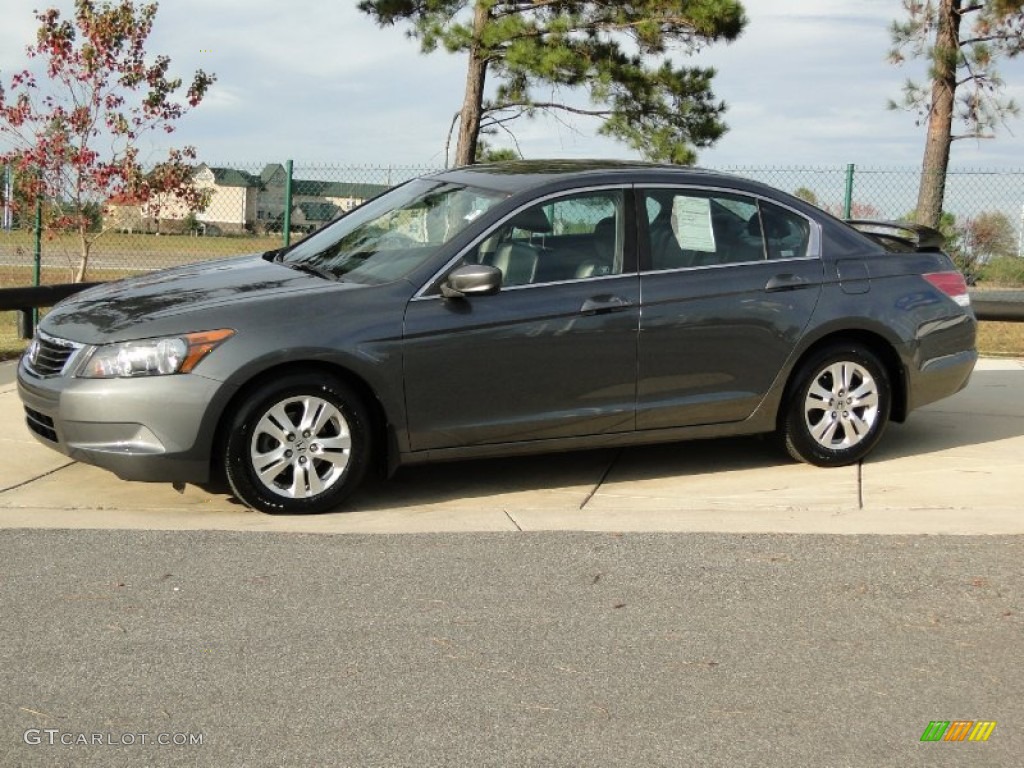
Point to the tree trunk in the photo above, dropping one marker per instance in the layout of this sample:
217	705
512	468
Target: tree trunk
83	265
940	117
472	104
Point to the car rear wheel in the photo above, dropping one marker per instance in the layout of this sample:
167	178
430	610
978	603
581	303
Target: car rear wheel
837	408
297	445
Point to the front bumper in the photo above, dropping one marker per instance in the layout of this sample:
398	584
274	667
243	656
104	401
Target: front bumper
156	428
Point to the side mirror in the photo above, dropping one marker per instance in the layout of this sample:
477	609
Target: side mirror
472	280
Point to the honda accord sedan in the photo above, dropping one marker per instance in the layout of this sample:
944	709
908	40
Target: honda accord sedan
503	309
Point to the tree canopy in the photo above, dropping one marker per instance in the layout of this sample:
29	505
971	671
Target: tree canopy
962	41
619	53
73	130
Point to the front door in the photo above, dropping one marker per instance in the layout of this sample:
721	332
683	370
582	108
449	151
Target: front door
553	354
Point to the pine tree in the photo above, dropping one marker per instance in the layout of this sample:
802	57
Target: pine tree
961	40
619	52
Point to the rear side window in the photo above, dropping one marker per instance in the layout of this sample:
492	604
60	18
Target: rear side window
695	228
787	235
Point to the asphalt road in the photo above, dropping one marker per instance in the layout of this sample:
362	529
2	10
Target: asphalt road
514	649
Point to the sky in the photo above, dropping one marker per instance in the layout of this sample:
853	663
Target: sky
806	84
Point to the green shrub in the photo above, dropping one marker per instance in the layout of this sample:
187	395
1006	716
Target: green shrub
1003	271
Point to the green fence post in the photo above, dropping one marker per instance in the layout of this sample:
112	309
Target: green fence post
288	203
848	203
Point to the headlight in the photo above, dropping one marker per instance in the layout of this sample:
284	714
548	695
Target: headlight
152	357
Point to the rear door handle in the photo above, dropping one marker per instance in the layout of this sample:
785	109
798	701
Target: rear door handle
787	282
597	305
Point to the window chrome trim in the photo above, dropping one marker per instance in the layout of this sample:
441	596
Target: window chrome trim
729	264
565	282
422	295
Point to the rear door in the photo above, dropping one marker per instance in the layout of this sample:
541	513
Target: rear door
729	283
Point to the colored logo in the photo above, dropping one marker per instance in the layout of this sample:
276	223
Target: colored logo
958	730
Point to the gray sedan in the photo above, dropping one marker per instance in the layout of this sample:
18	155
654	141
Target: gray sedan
503	309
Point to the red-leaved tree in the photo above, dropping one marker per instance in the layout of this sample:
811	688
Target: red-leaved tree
71	132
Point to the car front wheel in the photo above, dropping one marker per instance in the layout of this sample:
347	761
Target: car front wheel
297	445
838	407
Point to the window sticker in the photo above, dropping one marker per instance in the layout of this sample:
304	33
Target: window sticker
691	223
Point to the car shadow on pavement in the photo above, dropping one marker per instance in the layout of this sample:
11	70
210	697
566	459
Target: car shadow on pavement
990	410
564	480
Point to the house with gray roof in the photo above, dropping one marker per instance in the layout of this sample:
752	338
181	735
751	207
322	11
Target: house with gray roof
240	201
234	198
343	196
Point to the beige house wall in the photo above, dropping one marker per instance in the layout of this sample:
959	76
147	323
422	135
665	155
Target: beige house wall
231	208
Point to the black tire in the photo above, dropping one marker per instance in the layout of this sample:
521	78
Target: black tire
837	408
304	471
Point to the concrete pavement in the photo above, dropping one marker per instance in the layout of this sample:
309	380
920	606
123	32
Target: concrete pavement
956	467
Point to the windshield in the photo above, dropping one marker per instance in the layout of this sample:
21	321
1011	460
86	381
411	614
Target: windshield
392	235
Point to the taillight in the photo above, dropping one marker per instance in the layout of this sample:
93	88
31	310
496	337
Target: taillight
952	284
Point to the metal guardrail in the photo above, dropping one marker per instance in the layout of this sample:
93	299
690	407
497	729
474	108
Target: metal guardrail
27	299
1005	306
33	297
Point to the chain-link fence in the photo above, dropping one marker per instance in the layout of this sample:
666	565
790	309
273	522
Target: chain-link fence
983	218
891	193
260	206
248	207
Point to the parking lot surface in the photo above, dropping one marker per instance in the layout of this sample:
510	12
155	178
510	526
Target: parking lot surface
956	467
645	607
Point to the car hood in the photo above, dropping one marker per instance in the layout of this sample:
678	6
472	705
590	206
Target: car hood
158	303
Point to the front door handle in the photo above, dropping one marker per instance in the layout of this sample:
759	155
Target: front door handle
597	305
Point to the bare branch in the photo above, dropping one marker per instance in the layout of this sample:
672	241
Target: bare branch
551	105
986	39
519	150
513	8
448	140
498	123
957	137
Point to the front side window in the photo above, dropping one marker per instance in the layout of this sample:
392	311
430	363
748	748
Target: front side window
393	234
570	238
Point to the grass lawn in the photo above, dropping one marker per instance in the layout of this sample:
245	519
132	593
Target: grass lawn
22	241
1001	339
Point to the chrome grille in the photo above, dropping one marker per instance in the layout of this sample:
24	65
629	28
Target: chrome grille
49	356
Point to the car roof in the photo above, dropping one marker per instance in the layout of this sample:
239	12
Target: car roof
518	175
